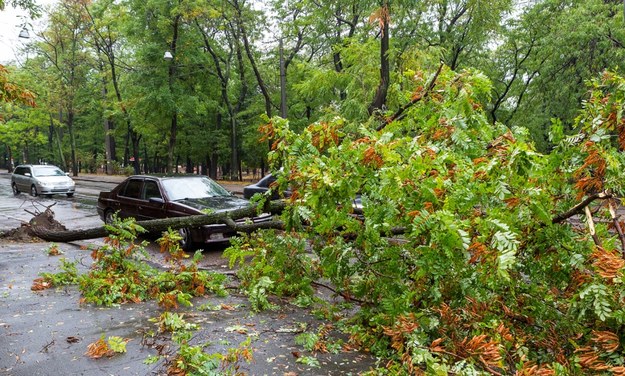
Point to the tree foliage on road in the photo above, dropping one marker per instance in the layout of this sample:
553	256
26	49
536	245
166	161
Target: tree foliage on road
462	261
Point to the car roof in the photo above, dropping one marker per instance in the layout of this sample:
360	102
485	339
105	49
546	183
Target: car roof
37	165
168	176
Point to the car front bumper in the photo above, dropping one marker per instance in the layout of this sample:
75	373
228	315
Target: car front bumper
51	189
222	233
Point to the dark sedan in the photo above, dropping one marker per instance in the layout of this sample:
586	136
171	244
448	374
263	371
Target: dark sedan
262	186
150	197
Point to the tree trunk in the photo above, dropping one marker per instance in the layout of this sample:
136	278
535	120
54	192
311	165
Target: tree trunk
109	127
72	141
160	225
58	143
174	118
379	101
135	150
248	49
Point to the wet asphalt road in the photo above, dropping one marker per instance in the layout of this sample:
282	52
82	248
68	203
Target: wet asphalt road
47	333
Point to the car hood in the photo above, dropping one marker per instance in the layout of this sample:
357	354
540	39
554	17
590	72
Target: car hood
55	179
215	204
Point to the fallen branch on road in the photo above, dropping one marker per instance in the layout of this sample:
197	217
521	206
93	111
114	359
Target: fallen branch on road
160	225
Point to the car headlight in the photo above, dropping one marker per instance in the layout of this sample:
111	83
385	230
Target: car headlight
45	184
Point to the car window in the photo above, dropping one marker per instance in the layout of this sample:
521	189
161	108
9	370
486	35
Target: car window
266	181
22	170
133	189
192	187
150	190
47	171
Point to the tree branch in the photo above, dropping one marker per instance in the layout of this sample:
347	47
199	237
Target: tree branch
342	294
579	208
413	101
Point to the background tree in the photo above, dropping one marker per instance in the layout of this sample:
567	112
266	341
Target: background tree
63	48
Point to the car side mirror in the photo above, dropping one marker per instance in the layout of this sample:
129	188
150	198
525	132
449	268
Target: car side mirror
67	174
27	174
156	200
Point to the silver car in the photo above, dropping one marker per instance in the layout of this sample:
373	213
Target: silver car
41	180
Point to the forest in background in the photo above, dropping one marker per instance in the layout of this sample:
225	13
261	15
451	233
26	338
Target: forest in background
107	99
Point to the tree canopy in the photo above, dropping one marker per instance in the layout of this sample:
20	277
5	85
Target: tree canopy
233	61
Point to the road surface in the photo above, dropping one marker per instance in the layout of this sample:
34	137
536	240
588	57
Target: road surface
47	332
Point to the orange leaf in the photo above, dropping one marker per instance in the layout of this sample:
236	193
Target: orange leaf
98	349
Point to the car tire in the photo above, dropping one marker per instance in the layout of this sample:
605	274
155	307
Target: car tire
108	217
33	191
70	195
16	191
186	243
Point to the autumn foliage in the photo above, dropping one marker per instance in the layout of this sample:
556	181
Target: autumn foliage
12	93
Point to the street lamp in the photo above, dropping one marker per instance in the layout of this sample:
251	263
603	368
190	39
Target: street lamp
168	55
24	33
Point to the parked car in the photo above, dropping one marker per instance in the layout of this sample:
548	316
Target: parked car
41	180
262	186
150	197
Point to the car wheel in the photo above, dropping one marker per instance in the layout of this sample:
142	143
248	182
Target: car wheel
15	190
70	195
108	217
33	190
186	243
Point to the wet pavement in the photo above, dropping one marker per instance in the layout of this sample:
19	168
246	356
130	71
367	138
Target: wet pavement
47	333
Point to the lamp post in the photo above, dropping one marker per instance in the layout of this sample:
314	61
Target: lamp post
174	118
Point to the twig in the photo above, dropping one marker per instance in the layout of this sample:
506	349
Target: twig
342	294
47	347
37	211
414	100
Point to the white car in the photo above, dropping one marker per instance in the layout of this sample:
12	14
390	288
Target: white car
41	180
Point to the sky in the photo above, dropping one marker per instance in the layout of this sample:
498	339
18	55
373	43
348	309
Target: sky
11	21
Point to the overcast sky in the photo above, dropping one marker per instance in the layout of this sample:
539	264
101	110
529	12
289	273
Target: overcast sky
11	21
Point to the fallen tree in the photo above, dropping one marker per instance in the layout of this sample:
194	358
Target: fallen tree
228	218
511	261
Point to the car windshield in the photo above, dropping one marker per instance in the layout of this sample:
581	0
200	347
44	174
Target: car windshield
192	187
47	171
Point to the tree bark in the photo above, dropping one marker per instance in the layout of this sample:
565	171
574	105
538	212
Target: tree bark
379	100
159	225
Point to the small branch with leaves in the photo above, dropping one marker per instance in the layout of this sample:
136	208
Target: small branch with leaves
415	98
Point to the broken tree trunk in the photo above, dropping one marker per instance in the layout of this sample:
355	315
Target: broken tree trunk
159	225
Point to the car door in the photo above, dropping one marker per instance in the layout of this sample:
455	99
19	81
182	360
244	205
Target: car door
16	177
22	180
129	198
153	205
